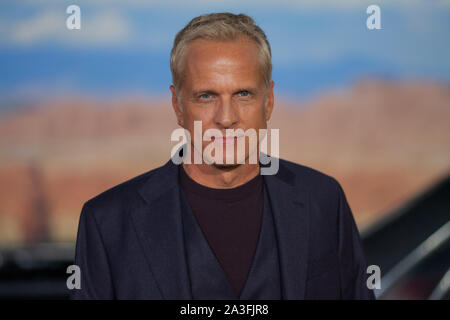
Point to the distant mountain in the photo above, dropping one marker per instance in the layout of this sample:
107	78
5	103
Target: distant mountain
384	141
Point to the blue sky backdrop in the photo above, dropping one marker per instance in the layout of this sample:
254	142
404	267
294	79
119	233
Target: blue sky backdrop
123	46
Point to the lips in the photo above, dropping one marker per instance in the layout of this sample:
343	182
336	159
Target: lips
226	140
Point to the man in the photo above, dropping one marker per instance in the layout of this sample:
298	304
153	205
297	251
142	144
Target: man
219	229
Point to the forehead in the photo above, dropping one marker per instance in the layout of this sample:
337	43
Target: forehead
241	47
210	61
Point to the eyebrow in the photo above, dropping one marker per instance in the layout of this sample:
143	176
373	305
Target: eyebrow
202	91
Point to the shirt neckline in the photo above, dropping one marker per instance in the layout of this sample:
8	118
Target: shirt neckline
243	191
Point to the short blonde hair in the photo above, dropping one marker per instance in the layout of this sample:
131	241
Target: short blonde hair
221	27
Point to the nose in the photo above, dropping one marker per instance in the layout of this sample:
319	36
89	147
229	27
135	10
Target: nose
226	115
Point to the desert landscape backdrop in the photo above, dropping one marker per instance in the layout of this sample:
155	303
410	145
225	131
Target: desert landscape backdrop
385	142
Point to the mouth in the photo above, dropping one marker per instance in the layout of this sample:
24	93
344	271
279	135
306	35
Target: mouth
226	140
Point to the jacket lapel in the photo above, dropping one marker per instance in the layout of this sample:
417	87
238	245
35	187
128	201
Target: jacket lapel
290	208
159	228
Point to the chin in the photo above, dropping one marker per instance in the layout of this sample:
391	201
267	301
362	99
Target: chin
226	167
232	162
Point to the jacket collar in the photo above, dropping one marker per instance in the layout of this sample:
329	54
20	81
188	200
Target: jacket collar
159	228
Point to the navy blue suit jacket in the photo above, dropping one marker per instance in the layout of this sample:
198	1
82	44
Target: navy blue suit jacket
130	243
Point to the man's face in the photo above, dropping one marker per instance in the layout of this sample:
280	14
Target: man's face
223	87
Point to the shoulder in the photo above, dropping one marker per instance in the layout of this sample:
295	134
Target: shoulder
310	179
324	192
120	197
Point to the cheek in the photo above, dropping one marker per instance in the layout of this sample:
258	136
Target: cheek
254	118
197	113
192	114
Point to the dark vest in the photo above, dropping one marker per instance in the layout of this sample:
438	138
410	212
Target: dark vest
207	278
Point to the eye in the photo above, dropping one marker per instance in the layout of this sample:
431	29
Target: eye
244	93
205	96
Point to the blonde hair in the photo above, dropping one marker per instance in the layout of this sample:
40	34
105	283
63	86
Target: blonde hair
221	27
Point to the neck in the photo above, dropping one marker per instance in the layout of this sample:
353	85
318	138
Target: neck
221	177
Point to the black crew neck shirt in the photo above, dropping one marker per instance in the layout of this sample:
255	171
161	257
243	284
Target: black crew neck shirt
230	220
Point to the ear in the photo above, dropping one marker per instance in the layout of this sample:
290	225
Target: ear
269	102
176	106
